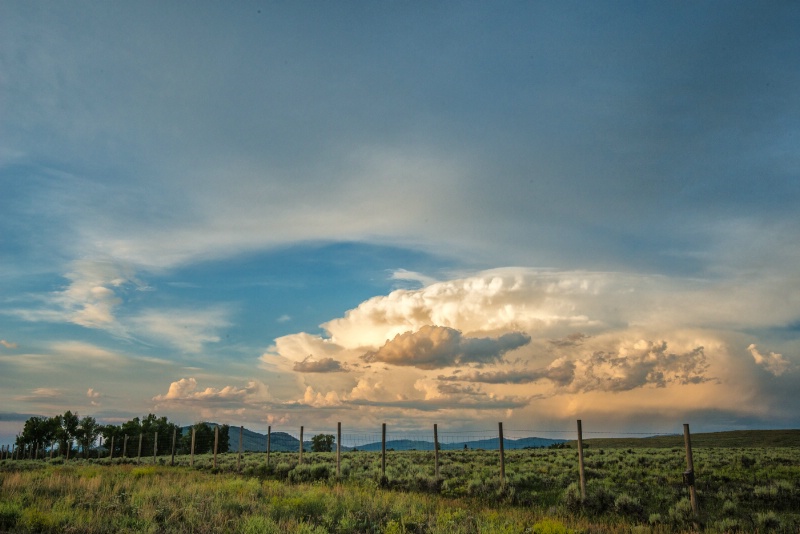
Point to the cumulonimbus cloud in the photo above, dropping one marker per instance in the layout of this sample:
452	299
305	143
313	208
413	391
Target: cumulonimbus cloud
434	347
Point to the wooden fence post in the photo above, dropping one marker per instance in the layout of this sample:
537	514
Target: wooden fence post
300	458
383	452
582	473
688	476
139	454
155	447
216	443
69	448
239	458
125	447
174	440
111	450
436	451
502	454
191	454
339	449
269	442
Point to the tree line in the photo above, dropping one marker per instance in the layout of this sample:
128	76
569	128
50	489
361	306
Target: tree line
71	435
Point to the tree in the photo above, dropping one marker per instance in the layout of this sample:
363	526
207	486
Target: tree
204	439
322	443
68	432
86	433
38	433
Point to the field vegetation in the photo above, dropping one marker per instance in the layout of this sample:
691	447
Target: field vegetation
740	489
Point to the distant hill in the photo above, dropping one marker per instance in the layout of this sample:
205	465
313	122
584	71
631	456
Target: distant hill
283	442
733	438
255	442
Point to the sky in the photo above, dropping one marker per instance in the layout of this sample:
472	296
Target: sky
303	213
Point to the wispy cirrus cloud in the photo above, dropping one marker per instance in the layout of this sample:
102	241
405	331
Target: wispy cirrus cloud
185	329
41	395
8	344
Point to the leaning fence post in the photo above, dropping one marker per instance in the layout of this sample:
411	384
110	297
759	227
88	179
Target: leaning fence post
139	455
269	442
339	449
582	472
216	444
155	447
239	458
502	454
125	447
111	450
383	451
688	476
435	451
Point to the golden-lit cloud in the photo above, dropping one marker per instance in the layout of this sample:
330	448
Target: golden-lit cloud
325	365
434	347
645	363
774	363
512	339
186	390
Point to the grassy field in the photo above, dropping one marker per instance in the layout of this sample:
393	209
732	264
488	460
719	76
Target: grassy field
740	489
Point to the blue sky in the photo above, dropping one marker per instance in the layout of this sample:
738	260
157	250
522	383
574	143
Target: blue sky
364	212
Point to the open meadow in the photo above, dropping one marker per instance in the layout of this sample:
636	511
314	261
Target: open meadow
740	489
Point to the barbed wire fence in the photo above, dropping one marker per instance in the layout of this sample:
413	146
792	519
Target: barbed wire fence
205	442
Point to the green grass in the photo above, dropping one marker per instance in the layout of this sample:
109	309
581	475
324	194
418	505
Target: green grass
741	489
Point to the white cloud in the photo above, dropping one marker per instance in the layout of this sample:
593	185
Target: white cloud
8	344
411	276
318	400
186	390
93	396
186	329
90	299
40	395
774	363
